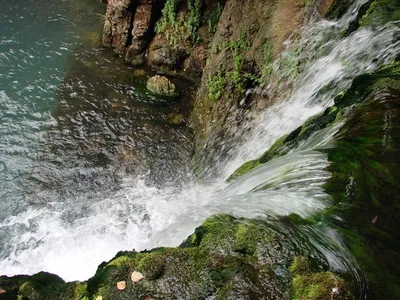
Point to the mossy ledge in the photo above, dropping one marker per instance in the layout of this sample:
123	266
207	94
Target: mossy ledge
225	258
363	187
362	87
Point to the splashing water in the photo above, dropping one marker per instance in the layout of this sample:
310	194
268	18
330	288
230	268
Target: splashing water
71	234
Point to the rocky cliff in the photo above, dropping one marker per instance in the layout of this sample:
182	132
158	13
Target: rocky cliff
227	47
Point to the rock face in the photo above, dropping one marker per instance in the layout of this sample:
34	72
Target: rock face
161	85
360	157
147	32
117	24
140	32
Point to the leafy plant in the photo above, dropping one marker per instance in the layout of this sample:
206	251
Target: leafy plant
180	28
193	22
216	85
214	18
238	78
168	16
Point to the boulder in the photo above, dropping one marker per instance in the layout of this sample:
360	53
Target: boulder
161	85
162	54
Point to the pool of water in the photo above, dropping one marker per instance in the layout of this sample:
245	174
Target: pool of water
75	123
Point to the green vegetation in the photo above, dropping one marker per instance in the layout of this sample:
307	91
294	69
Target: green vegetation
363	187
168	16
212	22
381	12
267	52
309	284
216	85
222	258
178	27
239	77
193	22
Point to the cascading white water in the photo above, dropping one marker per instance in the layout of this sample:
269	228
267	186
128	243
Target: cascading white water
72	237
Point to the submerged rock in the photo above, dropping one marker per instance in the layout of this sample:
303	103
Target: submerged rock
161	85
176	119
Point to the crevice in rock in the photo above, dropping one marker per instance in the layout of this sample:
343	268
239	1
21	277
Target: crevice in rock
132	8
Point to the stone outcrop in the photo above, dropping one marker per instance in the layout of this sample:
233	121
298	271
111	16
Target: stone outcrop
131	30
161	85
117	24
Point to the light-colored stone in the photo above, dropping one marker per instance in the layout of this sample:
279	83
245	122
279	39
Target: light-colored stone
2	291
121	285
176	119
99	298
136	276
161	85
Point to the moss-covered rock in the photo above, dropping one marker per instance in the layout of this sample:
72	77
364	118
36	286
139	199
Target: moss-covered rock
310	284
364	186
381	12
226	258
362	87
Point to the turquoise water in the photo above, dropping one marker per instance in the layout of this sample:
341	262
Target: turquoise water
36	38
76	124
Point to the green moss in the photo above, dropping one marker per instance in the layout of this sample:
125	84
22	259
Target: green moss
276	149
315	286
122	260
244	169
152	265
297	220
308	284
26	290
300	266
364	186
80	291
248	236
381	12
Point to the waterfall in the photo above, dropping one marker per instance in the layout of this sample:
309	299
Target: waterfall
71	237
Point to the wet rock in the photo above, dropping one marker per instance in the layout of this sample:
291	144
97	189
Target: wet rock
117	23
136	276
135	59
161	85
141	26
196	62
161	53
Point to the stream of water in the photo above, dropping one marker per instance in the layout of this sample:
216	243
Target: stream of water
89	166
